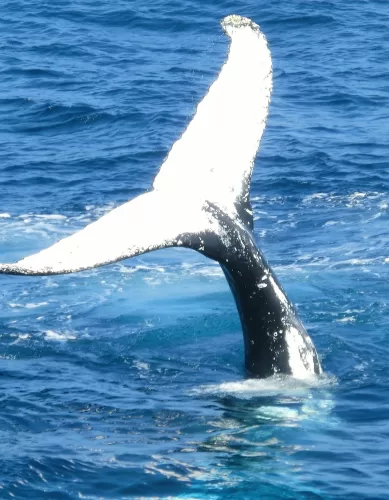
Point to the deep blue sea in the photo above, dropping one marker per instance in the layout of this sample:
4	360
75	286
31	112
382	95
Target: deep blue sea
127	381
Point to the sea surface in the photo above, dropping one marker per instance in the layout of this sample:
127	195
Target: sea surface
127	381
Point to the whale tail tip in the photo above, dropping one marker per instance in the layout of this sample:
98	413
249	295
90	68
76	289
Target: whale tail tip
233	22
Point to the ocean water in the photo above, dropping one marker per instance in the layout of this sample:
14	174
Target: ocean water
127	381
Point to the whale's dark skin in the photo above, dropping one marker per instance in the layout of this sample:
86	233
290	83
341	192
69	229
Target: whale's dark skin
265	317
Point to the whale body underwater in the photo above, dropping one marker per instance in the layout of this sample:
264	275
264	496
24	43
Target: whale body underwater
200	199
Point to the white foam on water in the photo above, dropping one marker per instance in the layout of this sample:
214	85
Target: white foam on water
333	223
355	262
206	270
141	366
271	386
356	199
51	217
173	271
20	338
347	319
59	336
140	268
30	305
295	400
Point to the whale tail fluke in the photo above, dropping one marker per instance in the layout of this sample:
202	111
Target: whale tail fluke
212	162
201	200
143	224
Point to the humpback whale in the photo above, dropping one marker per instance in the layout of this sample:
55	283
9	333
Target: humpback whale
200	199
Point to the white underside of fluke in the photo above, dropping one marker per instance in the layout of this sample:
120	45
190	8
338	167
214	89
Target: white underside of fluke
144	224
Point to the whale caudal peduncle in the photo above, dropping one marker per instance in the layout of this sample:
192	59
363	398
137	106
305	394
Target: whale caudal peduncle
275	340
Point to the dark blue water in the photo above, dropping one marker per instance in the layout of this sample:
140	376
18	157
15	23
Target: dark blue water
127	381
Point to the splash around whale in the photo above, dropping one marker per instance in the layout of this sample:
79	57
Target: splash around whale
200	199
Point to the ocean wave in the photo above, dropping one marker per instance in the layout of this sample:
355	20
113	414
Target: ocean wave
305	21
54	117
